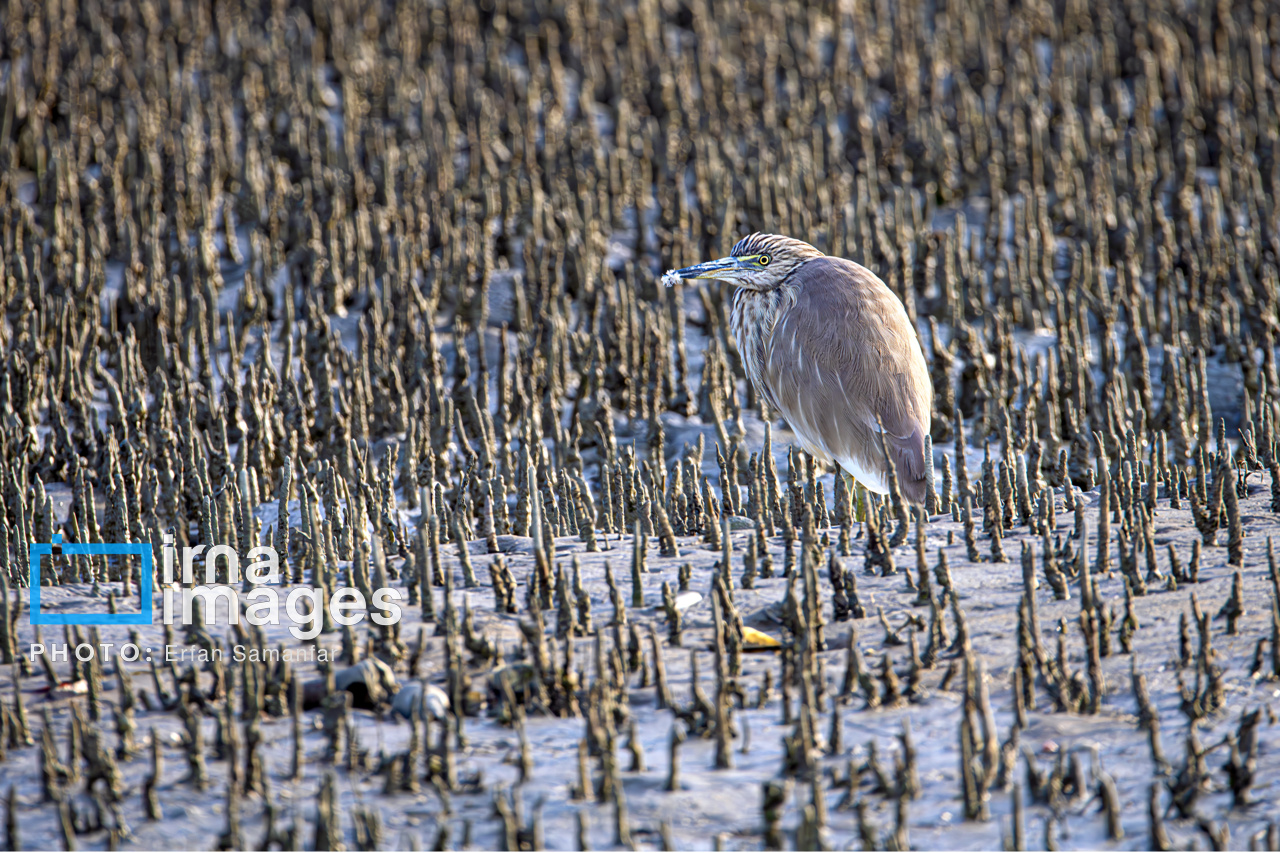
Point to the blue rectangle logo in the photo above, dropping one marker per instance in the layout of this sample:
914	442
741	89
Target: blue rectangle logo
143	550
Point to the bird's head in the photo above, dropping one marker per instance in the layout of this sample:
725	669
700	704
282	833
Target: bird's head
759	262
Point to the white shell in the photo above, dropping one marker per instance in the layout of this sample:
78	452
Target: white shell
436	700
685	600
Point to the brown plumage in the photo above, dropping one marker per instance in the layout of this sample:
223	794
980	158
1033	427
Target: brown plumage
831	347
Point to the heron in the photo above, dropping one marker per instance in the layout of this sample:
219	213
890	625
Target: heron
831	347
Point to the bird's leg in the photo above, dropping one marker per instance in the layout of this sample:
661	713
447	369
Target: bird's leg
860	509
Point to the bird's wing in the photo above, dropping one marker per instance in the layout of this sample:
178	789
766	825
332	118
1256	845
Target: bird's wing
843	360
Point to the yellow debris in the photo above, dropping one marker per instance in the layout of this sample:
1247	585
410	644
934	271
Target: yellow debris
757	641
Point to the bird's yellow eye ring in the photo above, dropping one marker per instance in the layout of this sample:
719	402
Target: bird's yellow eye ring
763	260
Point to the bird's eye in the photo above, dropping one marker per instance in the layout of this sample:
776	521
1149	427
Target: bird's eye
764	260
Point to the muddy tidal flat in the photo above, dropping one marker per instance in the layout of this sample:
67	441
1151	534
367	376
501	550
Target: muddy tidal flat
358	311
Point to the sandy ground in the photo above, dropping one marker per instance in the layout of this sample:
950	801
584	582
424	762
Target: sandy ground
727	803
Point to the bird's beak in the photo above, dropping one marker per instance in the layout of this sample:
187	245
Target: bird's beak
709	269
